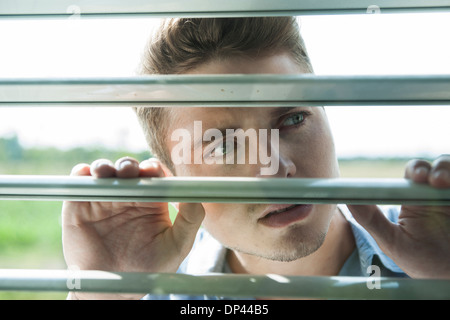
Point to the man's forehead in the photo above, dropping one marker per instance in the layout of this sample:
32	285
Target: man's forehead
219	117
210	117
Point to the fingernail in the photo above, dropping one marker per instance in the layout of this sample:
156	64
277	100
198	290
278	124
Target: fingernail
148	164
125	163
101	162
78	167
102	168
442	175
421	171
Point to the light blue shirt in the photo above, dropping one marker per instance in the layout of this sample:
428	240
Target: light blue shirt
209	256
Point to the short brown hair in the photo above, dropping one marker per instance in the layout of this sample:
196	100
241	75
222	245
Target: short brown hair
180	45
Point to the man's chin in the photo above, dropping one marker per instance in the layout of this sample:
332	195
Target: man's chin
289	248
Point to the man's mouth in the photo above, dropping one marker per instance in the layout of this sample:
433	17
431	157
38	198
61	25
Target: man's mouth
280	210
277	216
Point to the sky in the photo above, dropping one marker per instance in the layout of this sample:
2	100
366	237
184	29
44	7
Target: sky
381	44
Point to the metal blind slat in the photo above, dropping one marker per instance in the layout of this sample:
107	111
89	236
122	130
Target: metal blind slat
223	189
224	284
201	8
228	90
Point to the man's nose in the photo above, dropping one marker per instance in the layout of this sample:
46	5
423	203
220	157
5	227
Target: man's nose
287	167
280	166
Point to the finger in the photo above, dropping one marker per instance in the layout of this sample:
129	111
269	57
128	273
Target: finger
151	168
418	171
440	172
81	169
127	167
187	223
103	168
371	218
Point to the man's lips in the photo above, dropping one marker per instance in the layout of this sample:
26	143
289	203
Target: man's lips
281	215
276	208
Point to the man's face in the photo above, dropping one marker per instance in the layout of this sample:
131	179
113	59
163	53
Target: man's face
304	149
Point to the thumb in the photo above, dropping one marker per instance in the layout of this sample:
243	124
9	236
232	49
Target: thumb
371	218
187	223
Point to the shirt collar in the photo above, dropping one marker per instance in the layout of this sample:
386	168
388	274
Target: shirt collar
208	255
366	245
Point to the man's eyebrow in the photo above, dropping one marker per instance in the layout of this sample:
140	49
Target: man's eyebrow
281	111
200	142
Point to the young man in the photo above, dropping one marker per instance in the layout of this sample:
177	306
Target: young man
248	238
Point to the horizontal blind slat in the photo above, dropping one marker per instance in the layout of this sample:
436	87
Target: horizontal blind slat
210	8
228	90
226	285
222	189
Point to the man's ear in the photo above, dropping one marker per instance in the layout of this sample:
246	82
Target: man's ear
166	170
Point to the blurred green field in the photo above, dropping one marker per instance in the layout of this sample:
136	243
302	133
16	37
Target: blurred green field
30	238
30	231
377	168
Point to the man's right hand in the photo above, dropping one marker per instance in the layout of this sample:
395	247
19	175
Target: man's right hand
126	237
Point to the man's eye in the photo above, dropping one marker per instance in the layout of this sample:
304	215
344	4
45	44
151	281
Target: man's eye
294	119
222	149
